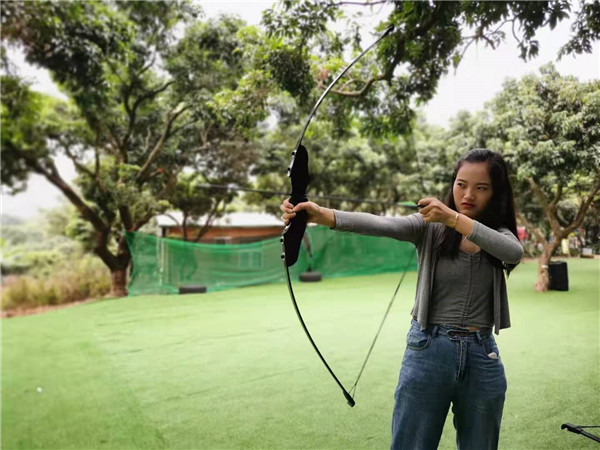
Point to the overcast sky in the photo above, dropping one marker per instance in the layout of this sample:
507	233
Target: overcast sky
478	78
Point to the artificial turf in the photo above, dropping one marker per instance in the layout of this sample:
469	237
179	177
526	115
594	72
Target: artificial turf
233	369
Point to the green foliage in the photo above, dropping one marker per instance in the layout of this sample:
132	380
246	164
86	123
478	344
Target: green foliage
429	38
291	70
303	19
155	93
72	40
549	127
241	108
586	29
207	59
19	232
194	197
35	247
28	118
21	260
351	166
81	231
44	261
143	80
70	280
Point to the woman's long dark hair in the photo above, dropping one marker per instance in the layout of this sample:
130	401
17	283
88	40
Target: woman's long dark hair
500	211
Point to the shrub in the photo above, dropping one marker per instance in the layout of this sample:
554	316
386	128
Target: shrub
38	257
68	281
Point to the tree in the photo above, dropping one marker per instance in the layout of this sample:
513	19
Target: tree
194	197
548	127
430	38
365	140
142	106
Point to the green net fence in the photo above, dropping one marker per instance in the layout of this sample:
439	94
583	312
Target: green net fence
162	266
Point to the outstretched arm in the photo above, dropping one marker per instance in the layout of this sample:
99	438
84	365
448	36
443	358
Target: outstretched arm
407	228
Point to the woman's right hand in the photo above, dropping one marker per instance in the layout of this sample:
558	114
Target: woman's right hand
316	214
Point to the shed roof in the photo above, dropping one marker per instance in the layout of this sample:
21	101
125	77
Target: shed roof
235	219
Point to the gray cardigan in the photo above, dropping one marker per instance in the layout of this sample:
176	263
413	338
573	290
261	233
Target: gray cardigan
501	244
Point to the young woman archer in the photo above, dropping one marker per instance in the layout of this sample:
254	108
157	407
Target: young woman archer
465	247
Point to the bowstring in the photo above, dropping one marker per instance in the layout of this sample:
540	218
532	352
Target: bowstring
352	390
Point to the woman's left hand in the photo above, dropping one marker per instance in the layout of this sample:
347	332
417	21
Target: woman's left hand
436	211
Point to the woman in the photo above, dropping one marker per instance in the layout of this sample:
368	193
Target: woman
464	247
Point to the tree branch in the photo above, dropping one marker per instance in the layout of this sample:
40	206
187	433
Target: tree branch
362	91
532	230
367	3
171	216
142	221
132	112
209	220
97	158
52	175
182	127
419	31
101	249
142	176
118	144
583	208
475	37
125	214
169	185
557	196
549	208
76	163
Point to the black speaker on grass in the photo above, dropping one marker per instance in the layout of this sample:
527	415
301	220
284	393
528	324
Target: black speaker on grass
559	278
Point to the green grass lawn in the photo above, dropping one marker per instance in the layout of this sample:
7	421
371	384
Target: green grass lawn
233	369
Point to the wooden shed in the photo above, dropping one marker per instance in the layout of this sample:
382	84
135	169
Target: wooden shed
231	228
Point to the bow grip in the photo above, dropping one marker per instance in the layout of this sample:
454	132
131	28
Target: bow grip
294	232
292	236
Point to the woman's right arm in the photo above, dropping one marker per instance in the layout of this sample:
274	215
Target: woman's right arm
406	228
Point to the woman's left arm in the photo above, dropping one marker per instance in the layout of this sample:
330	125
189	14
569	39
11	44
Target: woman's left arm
501	243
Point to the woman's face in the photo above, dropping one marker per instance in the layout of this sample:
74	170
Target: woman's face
472	188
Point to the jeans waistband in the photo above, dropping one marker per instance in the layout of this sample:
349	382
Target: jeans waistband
455	332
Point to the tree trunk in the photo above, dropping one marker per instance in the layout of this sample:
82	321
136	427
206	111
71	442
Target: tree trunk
209	220
184	227
543	280
118	266
118	279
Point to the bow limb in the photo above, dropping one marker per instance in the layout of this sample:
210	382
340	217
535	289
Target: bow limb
349	398
294	231
334	82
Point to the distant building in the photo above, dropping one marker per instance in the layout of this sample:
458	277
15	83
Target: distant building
231	228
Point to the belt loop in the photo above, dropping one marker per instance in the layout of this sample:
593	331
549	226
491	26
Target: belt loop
479	338
434	333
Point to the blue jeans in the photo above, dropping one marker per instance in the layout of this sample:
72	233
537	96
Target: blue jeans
440	367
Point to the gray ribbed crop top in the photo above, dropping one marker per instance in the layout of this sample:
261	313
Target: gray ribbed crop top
462	291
